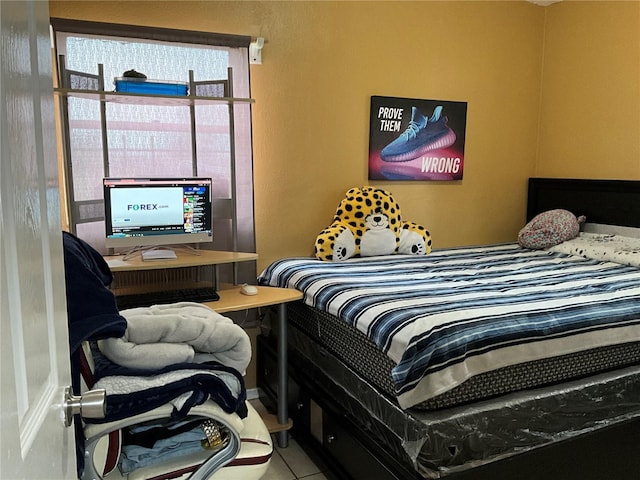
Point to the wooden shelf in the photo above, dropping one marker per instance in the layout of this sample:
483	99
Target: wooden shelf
206	257
146	98
231	300
270	419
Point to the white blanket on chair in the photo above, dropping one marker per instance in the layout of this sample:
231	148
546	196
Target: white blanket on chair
163	335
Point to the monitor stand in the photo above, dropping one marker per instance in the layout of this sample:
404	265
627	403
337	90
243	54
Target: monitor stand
164	252
159	254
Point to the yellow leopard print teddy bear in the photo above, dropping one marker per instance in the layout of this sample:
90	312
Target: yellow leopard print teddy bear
368	223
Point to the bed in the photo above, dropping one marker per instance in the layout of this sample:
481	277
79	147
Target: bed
475	362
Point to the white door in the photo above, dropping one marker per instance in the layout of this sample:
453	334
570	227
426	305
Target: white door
34	356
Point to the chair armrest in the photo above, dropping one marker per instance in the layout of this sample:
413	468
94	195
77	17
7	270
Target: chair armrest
209	409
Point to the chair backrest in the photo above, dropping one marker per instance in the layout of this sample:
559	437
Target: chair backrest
106	460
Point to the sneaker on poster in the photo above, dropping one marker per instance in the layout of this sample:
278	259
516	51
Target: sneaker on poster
421	136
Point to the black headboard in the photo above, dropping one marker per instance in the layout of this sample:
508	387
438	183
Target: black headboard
612	202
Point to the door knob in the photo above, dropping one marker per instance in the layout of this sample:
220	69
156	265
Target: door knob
91	404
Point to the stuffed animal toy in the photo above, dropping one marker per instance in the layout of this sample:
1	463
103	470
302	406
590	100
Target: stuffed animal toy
368	223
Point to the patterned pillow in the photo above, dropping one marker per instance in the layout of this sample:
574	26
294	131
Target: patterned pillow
550	228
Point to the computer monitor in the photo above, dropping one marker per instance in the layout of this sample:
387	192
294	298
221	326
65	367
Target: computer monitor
143	212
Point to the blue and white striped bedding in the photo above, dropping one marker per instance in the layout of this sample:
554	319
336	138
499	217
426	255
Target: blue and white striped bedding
456	313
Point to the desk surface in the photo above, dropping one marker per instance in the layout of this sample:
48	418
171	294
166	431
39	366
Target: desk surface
185	259
231	300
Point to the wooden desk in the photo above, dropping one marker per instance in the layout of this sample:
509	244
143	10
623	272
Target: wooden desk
205	257
185	259
231	300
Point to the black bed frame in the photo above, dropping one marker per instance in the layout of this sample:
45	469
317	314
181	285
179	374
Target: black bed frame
342	443
611	202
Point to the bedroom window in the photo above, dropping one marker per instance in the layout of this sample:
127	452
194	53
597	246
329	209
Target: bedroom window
156	140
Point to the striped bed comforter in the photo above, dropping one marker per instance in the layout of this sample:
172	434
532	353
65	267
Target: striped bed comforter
460	312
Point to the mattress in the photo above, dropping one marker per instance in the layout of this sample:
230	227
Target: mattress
360	354
465	323
438	443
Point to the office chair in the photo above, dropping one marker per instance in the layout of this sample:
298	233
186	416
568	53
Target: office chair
185	420
233	447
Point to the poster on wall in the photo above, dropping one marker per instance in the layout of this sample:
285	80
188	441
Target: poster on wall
412	139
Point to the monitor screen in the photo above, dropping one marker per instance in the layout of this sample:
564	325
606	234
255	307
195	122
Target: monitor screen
157	211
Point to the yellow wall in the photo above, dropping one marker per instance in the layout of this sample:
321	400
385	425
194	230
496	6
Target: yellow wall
551	91
321	64
590	110
324	60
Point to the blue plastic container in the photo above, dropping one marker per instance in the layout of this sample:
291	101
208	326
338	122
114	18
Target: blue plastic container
141	85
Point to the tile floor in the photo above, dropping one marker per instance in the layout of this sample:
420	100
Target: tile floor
292	463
